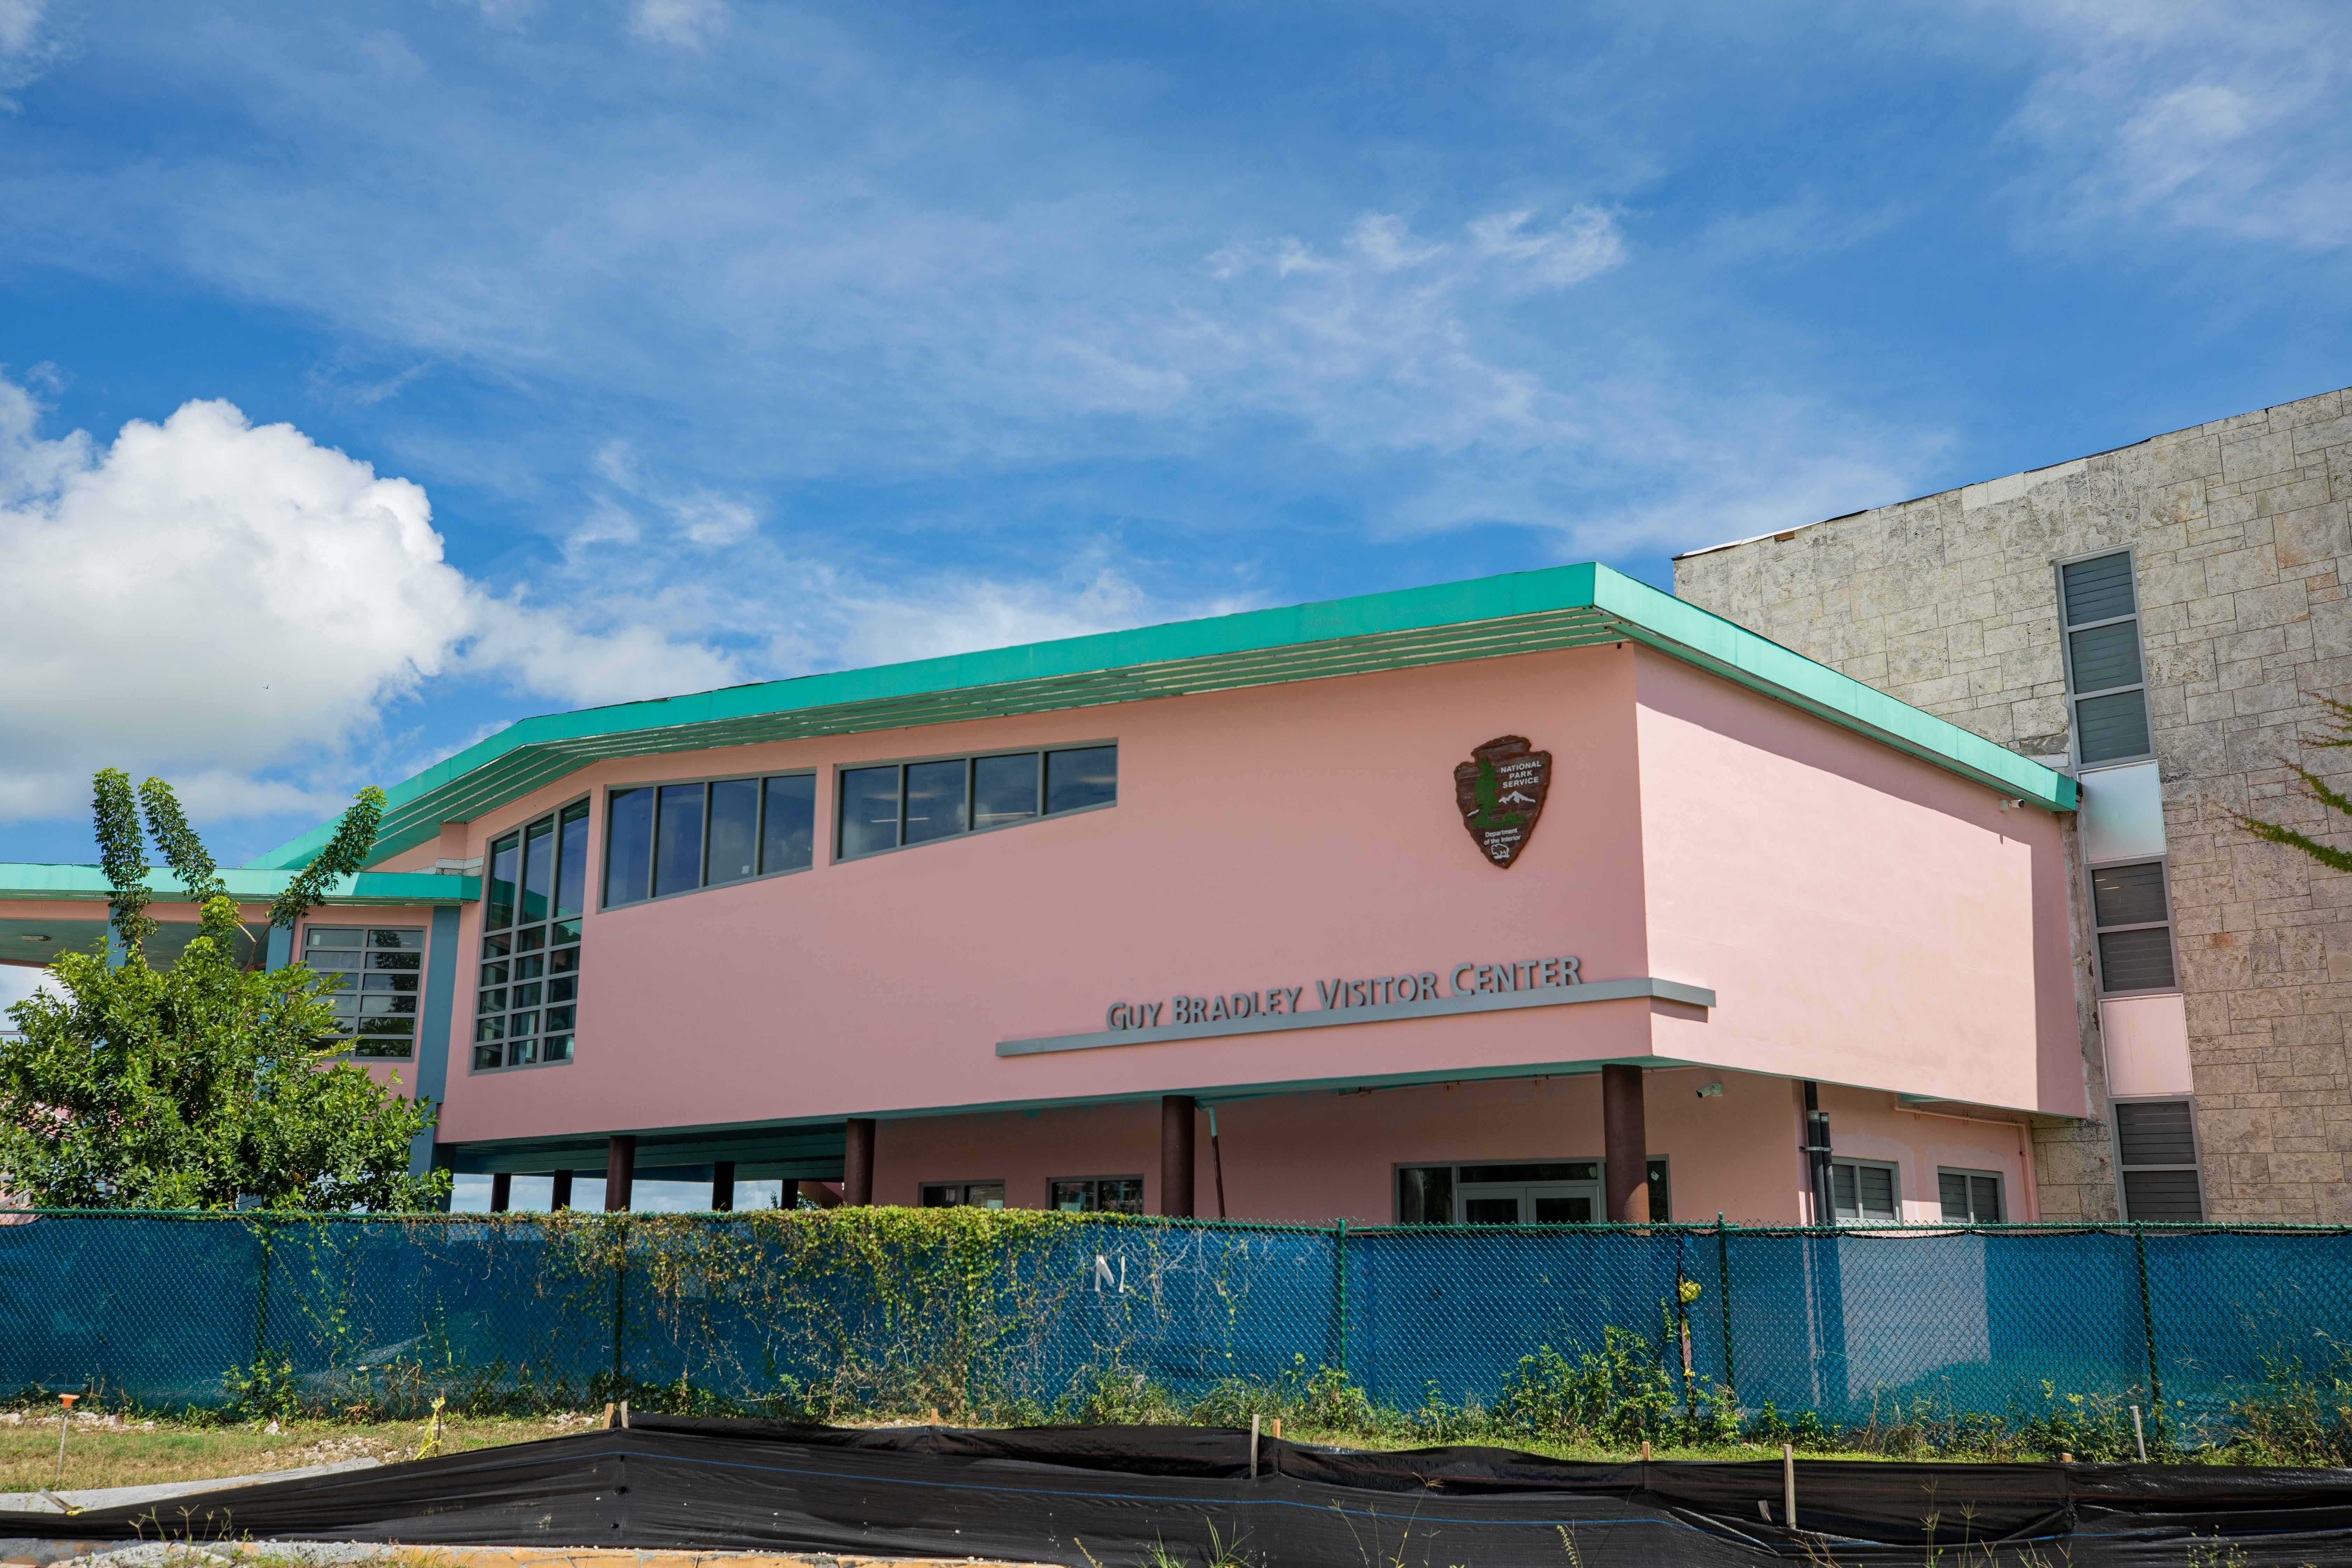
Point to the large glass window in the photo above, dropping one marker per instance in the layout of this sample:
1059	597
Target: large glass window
661	839
1096	1194
527	984
2106	680
1523	1192
2132	913
383	970
899	804
963	1195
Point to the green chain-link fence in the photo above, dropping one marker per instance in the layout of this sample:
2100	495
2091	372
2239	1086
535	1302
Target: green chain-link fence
1018	1313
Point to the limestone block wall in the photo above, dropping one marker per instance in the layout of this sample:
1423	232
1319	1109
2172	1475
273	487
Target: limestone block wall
2242	531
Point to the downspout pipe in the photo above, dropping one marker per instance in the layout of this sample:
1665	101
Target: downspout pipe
1816	1150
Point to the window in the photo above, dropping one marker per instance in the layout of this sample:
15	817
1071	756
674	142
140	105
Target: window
894	805
963	1195
1863	1190
1096	1194
1970	1197
2156	1146
527	997
2132	913
661	839
384	982
1530	1192
2106	680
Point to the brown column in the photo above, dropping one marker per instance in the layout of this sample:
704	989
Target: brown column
619	1171
857	1162
1625	1145
560	1198
1176	1155
501	1192
722	1186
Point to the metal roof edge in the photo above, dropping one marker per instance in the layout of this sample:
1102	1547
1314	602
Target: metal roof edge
1652	617
247	885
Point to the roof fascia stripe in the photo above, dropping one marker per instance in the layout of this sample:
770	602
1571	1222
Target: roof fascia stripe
246	885
1524	612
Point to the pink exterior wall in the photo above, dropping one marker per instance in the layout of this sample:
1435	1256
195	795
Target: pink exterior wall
1328	1156
1863	916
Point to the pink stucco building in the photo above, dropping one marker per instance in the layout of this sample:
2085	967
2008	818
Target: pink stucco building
1030	926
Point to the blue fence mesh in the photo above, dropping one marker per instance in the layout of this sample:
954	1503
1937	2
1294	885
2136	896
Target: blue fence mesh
792	1311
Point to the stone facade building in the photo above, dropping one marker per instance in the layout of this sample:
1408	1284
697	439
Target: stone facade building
2163	620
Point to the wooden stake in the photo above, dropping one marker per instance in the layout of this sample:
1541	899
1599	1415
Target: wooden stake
1278	1428
1789	1482
608	1416
1253	1447
1645	1450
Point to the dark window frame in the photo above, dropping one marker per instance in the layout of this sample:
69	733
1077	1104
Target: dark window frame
1999	1192
1095	1183
2196	1148
840	781
963	1191
358	990
2076	695
653	853
549	926
2163	863
1660	1177
1895	1189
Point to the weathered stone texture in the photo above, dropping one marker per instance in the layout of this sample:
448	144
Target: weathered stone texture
2242	531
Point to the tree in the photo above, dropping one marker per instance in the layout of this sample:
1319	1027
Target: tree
209	1082
2336	860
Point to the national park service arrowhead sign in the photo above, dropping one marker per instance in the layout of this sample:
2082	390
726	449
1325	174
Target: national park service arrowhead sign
1500	792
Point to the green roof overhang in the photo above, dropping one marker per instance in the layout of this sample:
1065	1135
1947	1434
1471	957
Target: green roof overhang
246	884
1486	618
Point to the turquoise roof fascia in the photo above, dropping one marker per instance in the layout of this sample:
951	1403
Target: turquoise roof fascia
1484	617
246	884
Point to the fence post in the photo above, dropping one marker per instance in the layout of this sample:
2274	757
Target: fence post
1723	1290
620	1310
2147	1329
1340	1293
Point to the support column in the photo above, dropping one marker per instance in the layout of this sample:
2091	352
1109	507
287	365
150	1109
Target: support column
857	1163
1625	1145
620	1171
722	1186
560	1198
1176	1155
501	1192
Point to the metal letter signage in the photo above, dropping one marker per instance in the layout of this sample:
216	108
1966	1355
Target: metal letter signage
1500	792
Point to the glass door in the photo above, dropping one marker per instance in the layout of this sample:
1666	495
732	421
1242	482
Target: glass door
1546	1193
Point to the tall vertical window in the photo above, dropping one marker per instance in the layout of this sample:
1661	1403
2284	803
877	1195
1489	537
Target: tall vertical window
661	839
894	805
2156	1145
527	997
2132	915
2106	678
383	970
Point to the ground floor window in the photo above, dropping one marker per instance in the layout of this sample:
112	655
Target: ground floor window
1529	1192
1096	1194
1864	1190
382	970
963	1195
2156	1145
1970	1197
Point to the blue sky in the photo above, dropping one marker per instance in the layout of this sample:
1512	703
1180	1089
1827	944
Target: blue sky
375	375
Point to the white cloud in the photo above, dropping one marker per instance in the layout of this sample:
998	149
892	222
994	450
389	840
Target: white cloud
677	24
2231	120
27	47
213	600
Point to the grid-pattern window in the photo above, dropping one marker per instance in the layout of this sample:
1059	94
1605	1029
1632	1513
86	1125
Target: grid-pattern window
1538	1192
2132	915
1970	1197
526	1002
1096	1194
894	805
2107	677
661	839
384	982
963	1195
2156	1144
1864	1190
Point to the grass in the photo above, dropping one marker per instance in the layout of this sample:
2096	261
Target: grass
117	1452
